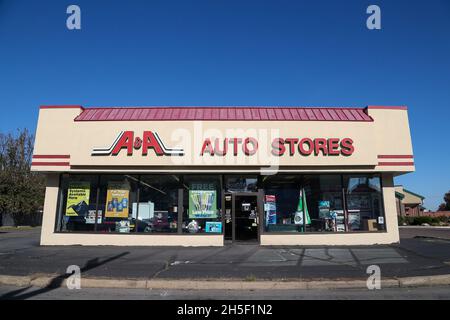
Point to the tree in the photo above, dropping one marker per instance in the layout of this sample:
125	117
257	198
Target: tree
446	205
21	191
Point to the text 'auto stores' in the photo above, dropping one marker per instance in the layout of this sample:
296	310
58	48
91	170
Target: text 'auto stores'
206	176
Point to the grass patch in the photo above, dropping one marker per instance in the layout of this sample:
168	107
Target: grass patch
250	278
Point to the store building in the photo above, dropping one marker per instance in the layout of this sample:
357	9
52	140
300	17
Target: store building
208	176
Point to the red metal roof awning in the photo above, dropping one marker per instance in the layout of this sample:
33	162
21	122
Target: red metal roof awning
224	114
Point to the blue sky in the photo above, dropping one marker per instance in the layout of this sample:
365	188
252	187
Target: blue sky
229	52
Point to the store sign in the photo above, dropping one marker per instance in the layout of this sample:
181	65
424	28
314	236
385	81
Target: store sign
280	146
221	147
127	140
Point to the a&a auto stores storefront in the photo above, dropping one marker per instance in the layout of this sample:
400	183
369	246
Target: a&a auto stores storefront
208	176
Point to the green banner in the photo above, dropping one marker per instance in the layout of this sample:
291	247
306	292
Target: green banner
302	208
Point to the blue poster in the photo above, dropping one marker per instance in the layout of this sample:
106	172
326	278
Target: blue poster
270	207
215	227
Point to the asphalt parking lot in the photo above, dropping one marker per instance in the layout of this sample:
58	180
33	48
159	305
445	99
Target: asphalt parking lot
20	254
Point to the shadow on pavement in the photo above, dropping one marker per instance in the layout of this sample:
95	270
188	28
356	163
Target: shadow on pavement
57	281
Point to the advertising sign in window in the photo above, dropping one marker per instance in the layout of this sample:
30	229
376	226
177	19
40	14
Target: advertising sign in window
90	218
202	204
78	198
117	199
215	227
270	207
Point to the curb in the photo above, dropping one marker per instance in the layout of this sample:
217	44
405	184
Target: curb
44	281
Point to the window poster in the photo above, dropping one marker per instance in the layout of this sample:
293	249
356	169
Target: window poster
270	207
354	219
78	198
324	209
213	227
90	218
117	199
202	204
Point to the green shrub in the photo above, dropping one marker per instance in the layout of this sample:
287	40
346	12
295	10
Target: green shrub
405	220
417	221
443	219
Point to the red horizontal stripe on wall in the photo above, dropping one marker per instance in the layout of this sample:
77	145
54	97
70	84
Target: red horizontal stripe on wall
395	163
51	156
58	164
395	156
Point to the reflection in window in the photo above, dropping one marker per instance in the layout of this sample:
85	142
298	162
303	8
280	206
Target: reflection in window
324	193
241	184
158	204
364	203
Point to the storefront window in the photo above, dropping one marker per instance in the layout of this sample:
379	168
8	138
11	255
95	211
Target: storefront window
322	200
202	203
315	203
281	203
158	204
117	203
364	203
78	203
153	203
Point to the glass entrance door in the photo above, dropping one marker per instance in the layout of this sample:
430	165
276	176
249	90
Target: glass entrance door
246	217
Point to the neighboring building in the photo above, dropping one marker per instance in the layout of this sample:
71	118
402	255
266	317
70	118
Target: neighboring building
409	204
207	176
436	213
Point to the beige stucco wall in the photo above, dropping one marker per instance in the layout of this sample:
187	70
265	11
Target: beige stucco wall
131	240
392	130
58	133
50	208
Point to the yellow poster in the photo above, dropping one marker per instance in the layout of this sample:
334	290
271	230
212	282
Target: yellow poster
78	198
117	198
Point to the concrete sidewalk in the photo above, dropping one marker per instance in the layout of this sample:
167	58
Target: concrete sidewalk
23	258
